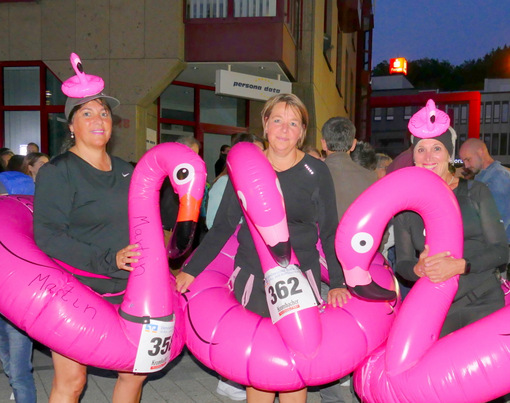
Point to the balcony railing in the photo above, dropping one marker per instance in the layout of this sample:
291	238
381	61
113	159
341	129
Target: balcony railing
287	11
240	8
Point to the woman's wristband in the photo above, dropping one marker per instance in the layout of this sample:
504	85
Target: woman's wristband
467	268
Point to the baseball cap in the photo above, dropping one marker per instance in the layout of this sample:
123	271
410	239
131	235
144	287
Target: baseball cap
72	102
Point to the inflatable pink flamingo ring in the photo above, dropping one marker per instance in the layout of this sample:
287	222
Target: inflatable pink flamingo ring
468	365
301	344
53	307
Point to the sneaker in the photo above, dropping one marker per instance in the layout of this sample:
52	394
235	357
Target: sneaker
12	396
231	389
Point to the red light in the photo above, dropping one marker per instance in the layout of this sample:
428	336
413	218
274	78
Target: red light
398	65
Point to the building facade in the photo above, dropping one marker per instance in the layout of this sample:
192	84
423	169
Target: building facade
483	114
160	57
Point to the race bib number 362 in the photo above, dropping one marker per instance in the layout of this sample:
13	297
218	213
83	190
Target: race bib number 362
154	347
287	291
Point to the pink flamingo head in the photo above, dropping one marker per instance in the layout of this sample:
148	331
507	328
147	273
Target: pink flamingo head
188	180
261	198
81	85
429	122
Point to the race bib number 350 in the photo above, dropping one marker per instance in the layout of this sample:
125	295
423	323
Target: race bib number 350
154	348
287	291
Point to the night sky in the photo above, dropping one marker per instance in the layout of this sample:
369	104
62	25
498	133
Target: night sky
452	30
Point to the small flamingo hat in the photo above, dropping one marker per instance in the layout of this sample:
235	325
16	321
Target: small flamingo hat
83	88
430	122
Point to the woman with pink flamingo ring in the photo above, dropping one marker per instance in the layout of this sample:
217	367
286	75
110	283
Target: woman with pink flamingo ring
80	217
310	201
485	249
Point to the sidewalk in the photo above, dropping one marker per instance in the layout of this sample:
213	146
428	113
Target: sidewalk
184	380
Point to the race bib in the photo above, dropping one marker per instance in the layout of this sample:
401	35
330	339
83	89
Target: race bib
154	348
287	291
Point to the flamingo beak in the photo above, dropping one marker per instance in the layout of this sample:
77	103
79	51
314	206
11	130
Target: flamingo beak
281	253
184	228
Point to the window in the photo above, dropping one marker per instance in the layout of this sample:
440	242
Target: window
327	45
497	111
207	8
339	65
408	112
488	112
254	8
503	144
463	114
456	114
494	150
504	112
390	114
221	110
377	113
31	109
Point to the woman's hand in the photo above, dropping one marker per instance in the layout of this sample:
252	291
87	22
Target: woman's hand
439	267
338	297
183	281
126	256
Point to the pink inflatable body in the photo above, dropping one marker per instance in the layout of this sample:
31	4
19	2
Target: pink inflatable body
312	346
146	331
469	365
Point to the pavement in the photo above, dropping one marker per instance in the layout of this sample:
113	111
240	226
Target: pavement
184	380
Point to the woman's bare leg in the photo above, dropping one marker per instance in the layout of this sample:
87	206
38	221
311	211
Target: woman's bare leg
261	396
68	381
128	388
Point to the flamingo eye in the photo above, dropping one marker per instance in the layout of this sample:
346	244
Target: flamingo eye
183	173
362	242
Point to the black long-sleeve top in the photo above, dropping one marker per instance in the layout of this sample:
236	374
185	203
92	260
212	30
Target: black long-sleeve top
311	212
485	244
81	217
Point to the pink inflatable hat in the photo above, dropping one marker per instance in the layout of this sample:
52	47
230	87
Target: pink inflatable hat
81	85
429	122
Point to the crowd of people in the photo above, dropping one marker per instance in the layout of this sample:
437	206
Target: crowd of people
80	218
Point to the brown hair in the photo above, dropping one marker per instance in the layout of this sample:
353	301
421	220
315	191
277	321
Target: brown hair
291	101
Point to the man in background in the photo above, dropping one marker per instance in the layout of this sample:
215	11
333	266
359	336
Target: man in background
477	159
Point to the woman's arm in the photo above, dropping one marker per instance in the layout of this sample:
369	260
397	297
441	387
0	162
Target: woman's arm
405	249
225	223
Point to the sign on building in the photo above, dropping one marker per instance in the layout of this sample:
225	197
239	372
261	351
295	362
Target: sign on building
248	86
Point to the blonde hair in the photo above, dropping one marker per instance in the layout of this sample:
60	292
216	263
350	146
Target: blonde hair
291	101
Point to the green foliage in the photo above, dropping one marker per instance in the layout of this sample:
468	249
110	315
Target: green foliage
428	74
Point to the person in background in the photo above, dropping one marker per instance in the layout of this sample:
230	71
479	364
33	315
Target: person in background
5	155
33	162
478	161
404	159
222	159
307	189
383	160
32	148
485	245
15	345
81	218
313	151
16	179
219	184
350	179
364	155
